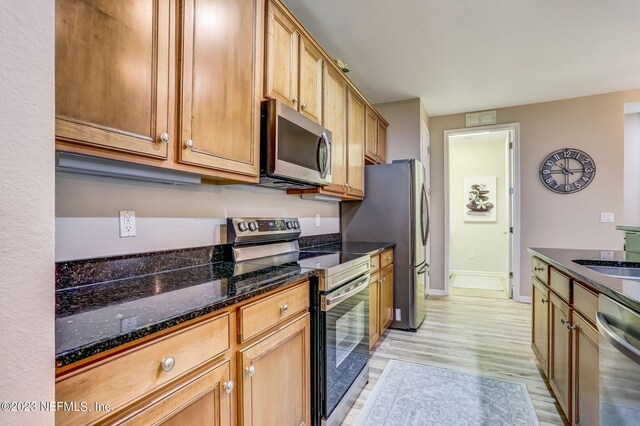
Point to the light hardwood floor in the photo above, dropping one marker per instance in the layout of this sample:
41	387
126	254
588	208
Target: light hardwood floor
475	335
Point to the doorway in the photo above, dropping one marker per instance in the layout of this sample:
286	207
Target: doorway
481	214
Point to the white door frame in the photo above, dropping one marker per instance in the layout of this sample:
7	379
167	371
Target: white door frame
515	205
425	157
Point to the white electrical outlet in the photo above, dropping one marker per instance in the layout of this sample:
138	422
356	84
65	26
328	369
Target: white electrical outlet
317	220
127	223
606	255
606	217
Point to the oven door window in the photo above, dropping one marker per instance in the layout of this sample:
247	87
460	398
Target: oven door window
347	346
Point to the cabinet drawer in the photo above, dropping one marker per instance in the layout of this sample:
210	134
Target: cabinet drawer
375	264
585	301
127	377
263	314
386	258
560	283
540	269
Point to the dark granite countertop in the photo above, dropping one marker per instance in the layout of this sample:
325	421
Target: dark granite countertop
351	247
93	318
624	291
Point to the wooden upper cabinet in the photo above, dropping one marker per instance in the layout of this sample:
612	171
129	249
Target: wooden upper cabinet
310	92
276	377
371	129
220	121
112	74
355	144
382	141
281	71
335	120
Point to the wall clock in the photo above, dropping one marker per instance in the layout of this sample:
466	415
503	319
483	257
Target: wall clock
567	171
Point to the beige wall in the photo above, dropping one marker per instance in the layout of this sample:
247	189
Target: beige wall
478	246
594	124
167	216
403	134
632	169
27	344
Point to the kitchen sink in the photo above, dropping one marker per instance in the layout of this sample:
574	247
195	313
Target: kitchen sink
615	269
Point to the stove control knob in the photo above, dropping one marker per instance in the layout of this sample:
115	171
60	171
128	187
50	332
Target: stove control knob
296	224
242	226
253	226
289	225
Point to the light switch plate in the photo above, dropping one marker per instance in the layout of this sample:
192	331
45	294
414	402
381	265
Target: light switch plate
606	217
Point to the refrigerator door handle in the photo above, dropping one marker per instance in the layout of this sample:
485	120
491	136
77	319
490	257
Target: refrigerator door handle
424	269
424	216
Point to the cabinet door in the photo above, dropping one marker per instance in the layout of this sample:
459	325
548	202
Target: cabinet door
540	324
310	81
374	301
560	353
355	144
586	399
276	378
112	74
335	120
386	298
281	71
371	135
382	142
205	401
220	110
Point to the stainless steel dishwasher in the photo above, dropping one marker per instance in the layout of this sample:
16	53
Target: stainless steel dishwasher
619	329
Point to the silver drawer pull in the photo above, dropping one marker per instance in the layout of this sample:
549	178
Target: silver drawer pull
164	137
228	386
538	269
189	144
167	364
544	300
284	309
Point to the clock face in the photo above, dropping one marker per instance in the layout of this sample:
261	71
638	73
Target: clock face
567	171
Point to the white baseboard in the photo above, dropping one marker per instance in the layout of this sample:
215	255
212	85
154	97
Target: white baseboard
480	273
436	292
522	299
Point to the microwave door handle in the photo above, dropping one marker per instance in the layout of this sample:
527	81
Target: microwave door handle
621	344
324	163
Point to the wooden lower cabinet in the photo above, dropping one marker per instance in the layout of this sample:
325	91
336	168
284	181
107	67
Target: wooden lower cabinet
585	372
560	336
274	374
540	324
374	302
203	401
386	298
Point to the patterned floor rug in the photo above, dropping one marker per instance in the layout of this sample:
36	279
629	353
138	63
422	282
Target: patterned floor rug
419	394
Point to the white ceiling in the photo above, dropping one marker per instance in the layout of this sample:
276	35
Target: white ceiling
471	55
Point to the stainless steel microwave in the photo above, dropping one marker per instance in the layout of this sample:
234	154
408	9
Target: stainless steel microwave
295	152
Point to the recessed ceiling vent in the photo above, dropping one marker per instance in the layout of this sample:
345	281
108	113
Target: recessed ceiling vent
483	118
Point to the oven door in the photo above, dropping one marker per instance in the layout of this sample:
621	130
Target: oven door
345	327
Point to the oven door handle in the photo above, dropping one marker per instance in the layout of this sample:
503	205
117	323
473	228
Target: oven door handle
331	302
621	344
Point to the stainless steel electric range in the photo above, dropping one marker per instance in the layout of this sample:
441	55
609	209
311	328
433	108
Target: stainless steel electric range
339	303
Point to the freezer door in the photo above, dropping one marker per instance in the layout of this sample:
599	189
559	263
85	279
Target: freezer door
419	215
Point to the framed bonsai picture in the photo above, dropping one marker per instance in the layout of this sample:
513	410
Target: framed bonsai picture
480	199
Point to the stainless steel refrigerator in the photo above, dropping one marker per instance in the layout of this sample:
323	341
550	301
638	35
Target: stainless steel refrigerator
395	209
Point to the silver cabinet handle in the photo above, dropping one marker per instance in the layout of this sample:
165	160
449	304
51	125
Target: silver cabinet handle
284	309
294	100
189	144
622	344
544	300
251	370
228	386
536	268
164	137
566	323
167	364
303	106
